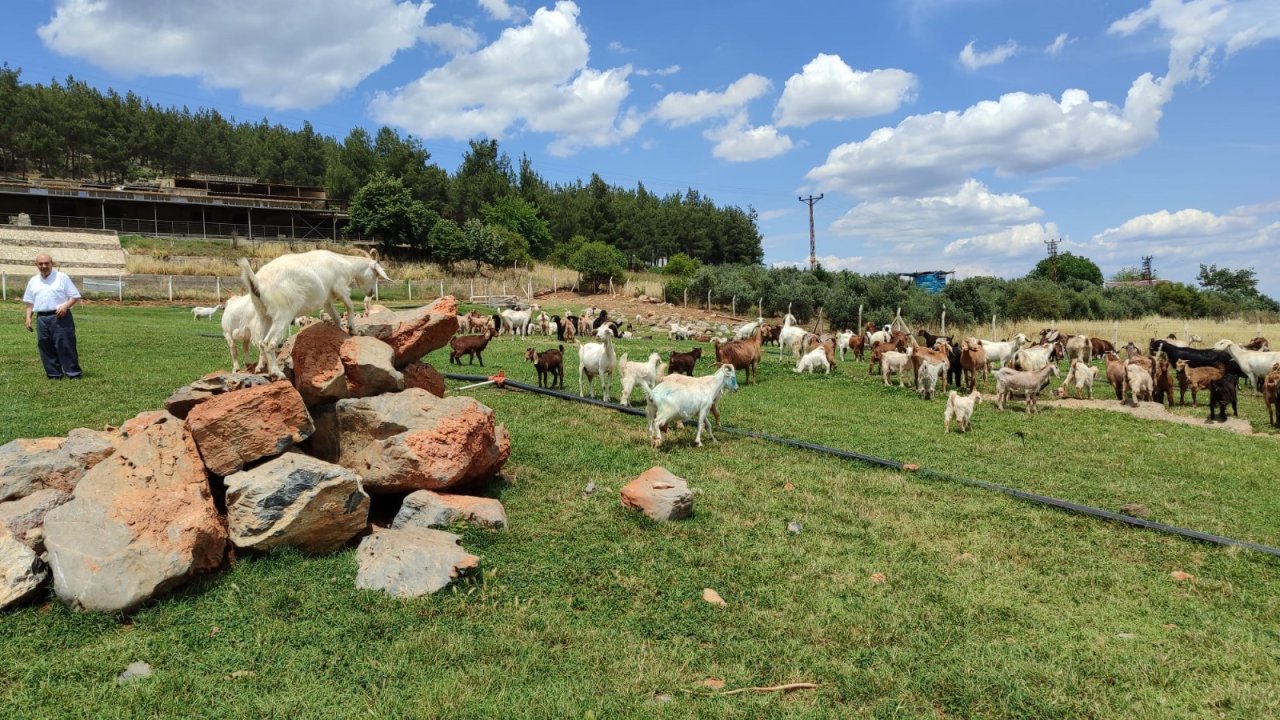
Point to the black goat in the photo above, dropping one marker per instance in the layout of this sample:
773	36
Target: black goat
1222	392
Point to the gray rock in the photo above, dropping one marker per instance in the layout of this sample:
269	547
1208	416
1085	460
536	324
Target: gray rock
188	396
21	572
29	465
141	523
135	671
295	500
424	508
366	362
411	562
22	517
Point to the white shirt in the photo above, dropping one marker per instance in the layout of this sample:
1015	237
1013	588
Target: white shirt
46	294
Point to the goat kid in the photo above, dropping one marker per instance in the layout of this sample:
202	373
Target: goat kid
814	359
470	345
1081	377
645	374
1271	395
205	312
1026	383
548	363
960	409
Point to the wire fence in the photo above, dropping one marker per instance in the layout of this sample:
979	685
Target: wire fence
512	286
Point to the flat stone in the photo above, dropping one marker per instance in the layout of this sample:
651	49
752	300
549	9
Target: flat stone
411	562
424	508
21	572
21	517
239	427
29	465
188	396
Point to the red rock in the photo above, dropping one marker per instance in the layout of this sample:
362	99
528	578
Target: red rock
423	330
423	377
318	373
246	425
658	494
366	362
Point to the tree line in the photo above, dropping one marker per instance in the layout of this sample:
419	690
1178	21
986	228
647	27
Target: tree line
1220	293
70	129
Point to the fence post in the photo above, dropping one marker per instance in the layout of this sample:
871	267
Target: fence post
4	286
859	319
375	289
733	306
120	287
944	321
708	301
217	283
686	297
170	288
441	287
473	289
408	286
555	286
993	327
1115	334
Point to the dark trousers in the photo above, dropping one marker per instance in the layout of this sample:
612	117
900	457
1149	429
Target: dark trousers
56	339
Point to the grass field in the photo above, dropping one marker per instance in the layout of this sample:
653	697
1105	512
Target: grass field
988	607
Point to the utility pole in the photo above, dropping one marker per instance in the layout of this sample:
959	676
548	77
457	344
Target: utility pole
813	254
1147	272
1053	258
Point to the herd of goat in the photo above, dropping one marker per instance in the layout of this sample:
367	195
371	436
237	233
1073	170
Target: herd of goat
293	286
932	363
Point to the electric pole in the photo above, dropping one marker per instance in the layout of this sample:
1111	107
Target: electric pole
813	254
1053	258
1147	272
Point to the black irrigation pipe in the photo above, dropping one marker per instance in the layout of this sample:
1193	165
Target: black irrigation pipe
895	465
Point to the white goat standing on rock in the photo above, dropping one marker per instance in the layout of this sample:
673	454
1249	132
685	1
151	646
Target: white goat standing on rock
293	285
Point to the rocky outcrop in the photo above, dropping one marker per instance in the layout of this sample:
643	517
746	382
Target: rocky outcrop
411	562
295	500
141	523
423	508
247	425
659	494
413	440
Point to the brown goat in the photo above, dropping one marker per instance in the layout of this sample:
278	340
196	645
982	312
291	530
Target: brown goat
1271	395
473	322
683	363
1101	347
548	362
858	346
1163	388
1195	378
877	351
1115	374
973	361
1258	344
742	355
470	345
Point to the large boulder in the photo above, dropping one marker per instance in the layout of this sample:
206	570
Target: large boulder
658	494
239	427
295	500
31	465
411	562
140	524
423	508
21	572
413	440
424	377
414	333
188	396
318	372
366	362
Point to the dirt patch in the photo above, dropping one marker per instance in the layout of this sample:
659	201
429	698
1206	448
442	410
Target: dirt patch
652	311
1156	411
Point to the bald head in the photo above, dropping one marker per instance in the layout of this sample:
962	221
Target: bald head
44	263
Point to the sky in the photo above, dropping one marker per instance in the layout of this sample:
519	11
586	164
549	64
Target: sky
940	134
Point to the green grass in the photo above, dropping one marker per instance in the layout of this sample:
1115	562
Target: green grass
990	607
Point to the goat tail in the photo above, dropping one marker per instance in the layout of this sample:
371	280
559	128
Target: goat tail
250	281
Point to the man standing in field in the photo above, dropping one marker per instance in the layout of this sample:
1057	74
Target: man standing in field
49	297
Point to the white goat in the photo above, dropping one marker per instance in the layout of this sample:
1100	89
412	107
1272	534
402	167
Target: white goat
645	374
689	399
676	331
842	342
960	409
927	382
1026	383
198	312
893	361
1002	352
791	337
814	359
242	326
745	331
597	359
1032	358
1254	363
1138	384
880	336
1078	347
1080	375
517	320
293	285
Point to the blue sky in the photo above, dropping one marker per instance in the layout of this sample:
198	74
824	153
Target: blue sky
943	134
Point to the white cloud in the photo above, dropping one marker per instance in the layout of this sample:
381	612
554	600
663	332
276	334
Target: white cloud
767	215
618	47
451	38
1059	44
533	77
668	70
970	210
974	59
271	53
1164	224
828	89
1015	241
679	108
736	141
1197	29
1019	133
501	11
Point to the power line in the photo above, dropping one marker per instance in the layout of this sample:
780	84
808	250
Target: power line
813	255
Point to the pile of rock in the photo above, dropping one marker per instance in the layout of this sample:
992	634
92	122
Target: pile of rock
235	463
